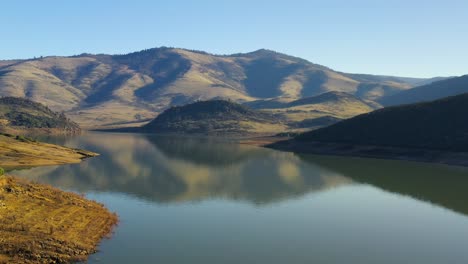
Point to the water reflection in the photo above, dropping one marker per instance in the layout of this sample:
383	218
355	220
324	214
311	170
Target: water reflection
438	184
167	169
305	221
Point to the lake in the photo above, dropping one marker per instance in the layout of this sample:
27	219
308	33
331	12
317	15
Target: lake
205	200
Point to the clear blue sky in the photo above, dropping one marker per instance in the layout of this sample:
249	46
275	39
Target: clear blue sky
406	38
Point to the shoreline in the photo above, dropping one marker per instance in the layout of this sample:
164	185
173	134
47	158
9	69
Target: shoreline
368	151
40	223
20	152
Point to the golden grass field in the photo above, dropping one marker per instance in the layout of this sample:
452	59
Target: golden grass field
343	109
16	153
41	224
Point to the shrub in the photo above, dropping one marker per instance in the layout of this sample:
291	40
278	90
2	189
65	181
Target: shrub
21	138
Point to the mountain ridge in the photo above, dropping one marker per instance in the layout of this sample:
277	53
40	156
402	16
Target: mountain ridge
96	90
428	92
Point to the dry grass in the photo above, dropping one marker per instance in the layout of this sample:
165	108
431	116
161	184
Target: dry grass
40	224
16	153
66	83
343	109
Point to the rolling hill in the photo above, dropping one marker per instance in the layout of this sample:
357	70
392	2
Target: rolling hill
20	115
331	105
227	117
437	125
429	92
125	90
214	117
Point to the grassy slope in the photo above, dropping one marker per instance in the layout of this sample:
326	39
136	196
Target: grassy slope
21	152
332	104
40	224
438	125
95	90
214	117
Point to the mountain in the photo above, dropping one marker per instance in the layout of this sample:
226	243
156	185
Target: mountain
124	90
260	116
19	114
437	125
429	92
213	117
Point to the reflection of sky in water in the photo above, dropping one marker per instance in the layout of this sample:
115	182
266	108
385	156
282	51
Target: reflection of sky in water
202	201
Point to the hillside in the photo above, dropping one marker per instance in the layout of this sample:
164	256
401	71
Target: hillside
331	105
17	151
214	117
439	125
125	90
429	92
18	114
41	224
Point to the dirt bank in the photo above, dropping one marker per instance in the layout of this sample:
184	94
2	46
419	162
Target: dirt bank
41	224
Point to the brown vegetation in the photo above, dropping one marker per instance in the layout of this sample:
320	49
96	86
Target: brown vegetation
40	224
102	91
18	151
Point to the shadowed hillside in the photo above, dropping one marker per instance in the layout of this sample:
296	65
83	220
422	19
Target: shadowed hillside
213	117
438	125
126	90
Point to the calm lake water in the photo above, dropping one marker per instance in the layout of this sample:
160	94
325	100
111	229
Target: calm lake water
188	200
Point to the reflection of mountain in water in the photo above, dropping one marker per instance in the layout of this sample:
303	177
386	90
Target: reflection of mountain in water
165	169
204	151
441	185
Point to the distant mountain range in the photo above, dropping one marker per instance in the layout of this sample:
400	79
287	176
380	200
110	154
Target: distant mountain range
126	90
429	92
